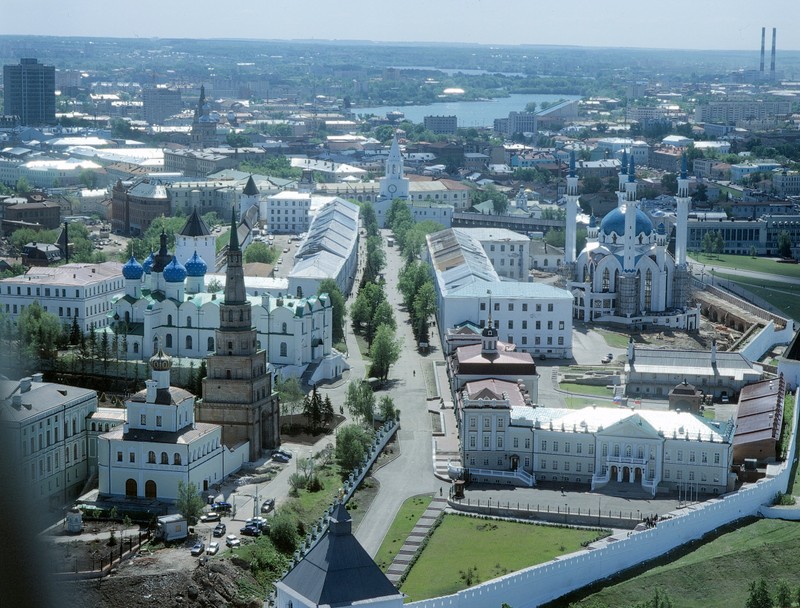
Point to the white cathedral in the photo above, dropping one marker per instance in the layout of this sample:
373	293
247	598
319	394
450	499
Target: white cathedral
625	274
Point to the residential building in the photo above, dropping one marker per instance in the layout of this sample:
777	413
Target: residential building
508	251
536	318
43	427
545	257
160	103
786	183
732	112
39	215
709	168
30	92
743	170
287	212
134	208
160	445
329	251
441	125
80	293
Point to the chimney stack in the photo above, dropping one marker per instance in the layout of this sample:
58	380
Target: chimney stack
763	40
772	61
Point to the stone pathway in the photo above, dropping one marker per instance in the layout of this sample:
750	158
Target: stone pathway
414	540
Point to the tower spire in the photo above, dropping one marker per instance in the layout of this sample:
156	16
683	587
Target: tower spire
234	241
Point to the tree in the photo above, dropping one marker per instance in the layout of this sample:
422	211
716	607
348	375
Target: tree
290	394
23	186
360	402
592	184
386	408
530	107
383	315
201	373
189	502
39	332
759	595
385	351
339	309
238	140
283	532
424	308
105	351
784	244
783	595
669	182
260	253
713	242
352	445
327	410
214	286
88	178
700	194
312	408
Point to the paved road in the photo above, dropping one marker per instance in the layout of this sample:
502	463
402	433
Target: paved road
412	472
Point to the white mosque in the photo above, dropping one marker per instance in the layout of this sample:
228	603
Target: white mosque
625	274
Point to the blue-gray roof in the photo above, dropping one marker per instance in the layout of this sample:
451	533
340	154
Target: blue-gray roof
614	221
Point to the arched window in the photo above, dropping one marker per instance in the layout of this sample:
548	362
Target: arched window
299	292
106	429
150	489
586	274
93	426
188	321
627	451
228	374
606	279
648	289
136	348
74	426
211	344
188	342
130	488
168	341
75	452
640	452
283	349
164	458
176	459
241	316
616	451
127	317
283	328
151	457
169	319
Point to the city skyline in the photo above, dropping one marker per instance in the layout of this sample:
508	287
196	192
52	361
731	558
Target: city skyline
684	25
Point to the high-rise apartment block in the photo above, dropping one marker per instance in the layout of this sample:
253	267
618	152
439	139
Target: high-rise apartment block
30	92
160	103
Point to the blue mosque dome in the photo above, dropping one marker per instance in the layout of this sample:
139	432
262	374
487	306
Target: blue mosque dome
132	269
147	265
614	221
195	266
174	272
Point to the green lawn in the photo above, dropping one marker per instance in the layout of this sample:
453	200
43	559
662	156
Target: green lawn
716	574
783	296
405	520
770	266
613	338
586	389
464	551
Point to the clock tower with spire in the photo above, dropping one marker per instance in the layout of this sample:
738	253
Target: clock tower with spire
237	390
394	184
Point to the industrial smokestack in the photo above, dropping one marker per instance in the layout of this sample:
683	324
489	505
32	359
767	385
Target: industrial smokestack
763	40
772	62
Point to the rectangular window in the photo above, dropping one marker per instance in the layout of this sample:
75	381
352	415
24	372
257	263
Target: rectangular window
516	442
486	442
555	465
527	463
524	339
550	308
473	422
119	456
158	420
691	475
549	340
510	324
544	445
537	340
716	458
524	325
538	325
472	441
525	307
566	466
483	305
561	340
538	308
679	474
510	307
497	306
591	467
143	419
666	474
691	457
704	457
544	465
578	467
579	448
549	325
132	457
501	423
566	447
555	446
561	325
499	442
527	443
487	424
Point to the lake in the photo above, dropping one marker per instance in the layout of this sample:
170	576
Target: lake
470	113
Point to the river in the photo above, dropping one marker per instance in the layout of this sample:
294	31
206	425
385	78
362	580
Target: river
470	113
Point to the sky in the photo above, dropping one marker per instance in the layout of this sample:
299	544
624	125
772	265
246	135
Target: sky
675	24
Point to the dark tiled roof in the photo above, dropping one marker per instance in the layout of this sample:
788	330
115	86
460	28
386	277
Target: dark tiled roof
195	226
338	571
250	188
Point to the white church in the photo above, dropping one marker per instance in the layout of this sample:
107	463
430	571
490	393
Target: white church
625	274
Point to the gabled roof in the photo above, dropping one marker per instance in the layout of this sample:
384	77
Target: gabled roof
195	226
338	571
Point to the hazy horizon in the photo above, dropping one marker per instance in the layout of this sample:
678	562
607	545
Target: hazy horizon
678	25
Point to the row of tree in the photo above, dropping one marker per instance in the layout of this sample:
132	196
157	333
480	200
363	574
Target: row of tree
419	297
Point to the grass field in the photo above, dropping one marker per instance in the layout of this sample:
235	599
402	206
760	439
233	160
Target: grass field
783	296
716	574
464	551
405	520
745	262
613	339
586	389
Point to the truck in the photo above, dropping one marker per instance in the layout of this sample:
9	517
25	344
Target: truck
171	527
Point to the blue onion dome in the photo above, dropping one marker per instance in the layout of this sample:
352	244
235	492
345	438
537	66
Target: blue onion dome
174	272
147	265
195	266
132	269
661	229
614	221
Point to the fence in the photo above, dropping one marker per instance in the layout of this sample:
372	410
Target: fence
100	564
544	583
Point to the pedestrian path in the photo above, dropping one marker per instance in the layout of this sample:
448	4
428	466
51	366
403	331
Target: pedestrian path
403	558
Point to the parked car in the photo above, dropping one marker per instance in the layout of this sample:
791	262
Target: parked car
725	398
212	516
219	530
259	522
222	507
268	505
278	457
250	531
283	452
213	548
232	541
198	548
